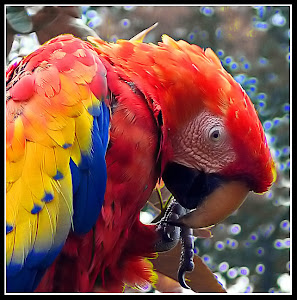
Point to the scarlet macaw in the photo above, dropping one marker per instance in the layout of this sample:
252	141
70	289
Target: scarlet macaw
175	113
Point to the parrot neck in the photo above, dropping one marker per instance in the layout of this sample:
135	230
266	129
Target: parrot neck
130	72
165	150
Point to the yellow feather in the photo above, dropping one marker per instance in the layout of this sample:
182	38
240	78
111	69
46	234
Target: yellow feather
18	140
47	184
64	136
38	229
75	152
52	211
49	161
32	173
8	186
73	111
35	132
87	102
18	214
70	92
22	237
10	238
17	198
92	101
12	203
62	158
83	126
69	132
47	224
14	169
44	235
57	122
84	91
34	177
64	217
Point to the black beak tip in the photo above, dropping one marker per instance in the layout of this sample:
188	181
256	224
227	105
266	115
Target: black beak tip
190	186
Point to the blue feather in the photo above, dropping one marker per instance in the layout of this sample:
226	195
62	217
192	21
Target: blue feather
23	281
103	123
27	279
9	228
89	178
75	173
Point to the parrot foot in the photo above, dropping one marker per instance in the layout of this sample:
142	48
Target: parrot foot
171	232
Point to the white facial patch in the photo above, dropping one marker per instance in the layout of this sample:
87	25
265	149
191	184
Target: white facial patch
203	144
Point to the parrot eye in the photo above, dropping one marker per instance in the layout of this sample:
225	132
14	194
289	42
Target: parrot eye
215	134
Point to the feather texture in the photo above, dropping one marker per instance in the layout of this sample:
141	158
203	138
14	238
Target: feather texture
56	139
156	90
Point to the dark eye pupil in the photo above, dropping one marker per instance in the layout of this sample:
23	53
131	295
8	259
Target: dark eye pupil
216	134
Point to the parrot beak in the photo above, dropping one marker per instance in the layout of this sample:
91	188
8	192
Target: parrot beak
216	207
210	197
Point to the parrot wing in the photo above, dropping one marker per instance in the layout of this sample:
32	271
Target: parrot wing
57	130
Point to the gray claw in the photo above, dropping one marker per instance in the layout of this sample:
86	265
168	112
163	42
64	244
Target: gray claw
187	255
181	278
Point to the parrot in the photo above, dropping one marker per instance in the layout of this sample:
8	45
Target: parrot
91	127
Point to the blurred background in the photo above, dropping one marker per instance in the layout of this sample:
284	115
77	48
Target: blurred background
250	251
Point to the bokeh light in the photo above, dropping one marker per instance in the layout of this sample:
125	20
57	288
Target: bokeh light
260	268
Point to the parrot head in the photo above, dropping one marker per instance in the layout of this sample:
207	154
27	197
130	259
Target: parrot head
216	150
213	149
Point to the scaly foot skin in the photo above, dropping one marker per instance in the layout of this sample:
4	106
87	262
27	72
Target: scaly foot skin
168	232
171	232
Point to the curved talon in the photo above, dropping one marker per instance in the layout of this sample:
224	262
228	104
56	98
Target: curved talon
187	255
181	278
